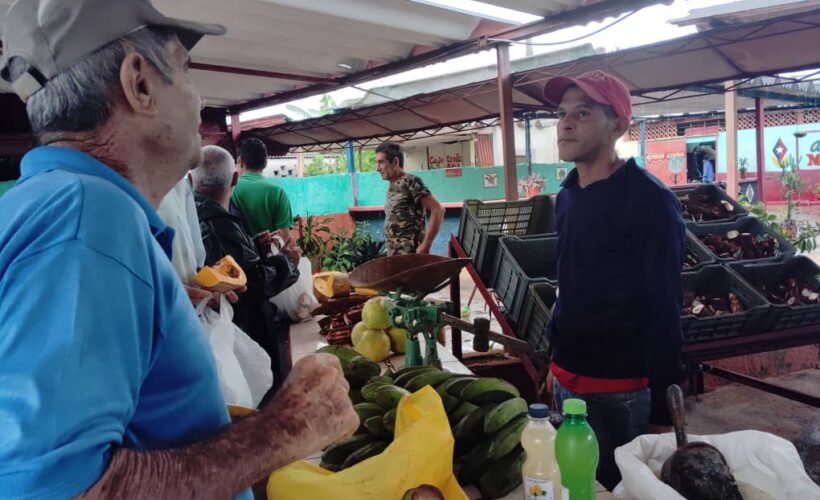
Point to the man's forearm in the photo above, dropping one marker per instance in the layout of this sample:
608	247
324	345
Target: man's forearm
434	226
219	468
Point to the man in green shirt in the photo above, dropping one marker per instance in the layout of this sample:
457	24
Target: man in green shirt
265	205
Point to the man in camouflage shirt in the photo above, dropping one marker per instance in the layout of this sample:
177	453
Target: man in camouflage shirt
407	200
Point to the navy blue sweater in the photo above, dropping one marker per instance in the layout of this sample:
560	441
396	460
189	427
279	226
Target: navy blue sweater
620	253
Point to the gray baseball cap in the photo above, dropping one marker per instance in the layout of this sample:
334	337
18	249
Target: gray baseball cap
52	35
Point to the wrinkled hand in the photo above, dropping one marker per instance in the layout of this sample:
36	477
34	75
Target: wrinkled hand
263	242
314	403
289	248
423	248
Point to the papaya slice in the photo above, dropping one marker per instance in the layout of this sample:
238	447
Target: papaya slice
224	276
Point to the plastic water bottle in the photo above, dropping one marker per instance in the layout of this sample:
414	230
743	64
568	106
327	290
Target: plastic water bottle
542	479
576	450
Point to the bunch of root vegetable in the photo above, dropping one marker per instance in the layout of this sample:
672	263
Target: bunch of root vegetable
741	246
699	208
793	293
710	304
341	315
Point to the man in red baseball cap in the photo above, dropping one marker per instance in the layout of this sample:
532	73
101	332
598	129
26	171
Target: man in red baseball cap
615	332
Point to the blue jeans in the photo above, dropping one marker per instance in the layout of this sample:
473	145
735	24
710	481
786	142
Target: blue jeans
617	418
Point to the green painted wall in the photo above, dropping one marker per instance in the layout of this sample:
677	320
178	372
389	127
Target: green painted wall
329	194
326	194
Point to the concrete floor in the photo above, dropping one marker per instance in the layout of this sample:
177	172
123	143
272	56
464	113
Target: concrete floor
735	407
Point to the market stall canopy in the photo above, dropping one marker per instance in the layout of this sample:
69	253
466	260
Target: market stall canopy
276	49
654	73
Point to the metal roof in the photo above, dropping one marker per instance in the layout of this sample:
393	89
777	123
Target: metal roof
656	73
743	11
278	50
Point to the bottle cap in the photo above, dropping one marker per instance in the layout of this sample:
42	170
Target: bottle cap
575	407
539	411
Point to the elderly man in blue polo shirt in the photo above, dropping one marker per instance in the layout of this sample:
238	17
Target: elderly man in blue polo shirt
108	385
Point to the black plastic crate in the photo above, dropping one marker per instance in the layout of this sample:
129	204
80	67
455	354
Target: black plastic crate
521	262
714	195
748	224
721	280
769	275
702	254
536	314
482	224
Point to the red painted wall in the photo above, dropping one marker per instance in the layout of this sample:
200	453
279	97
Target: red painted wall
658	154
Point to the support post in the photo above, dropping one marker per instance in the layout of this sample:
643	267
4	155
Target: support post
507	131
236	128
643	141
455	299
760	126
730	97
528	144
351	167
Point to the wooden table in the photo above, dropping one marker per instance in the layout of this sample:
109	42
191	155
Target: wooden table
305	339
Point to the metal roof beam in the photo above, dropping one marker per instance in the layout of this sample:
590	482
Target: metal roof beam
557	22
753	93
258	72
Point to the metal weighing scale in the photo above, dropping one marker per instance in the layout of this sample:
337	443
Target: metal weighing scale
405	280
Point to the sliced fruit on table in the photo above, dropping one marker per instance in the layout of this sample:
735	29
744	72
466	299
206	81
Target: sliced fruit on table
331	284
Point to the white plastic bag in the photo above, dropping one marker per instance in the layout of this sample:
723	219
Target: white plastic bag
759	459
243	367
298	300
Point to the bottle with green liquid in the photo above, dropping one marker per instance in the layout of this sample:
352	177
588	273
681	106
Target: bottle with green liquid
576	450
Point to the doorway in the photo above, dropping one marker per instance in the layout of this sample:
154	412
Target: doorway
696	152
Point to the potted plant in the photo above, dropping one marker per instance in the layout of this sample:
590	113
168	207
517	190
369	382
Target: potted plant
742	167
817	194
531	185
313	235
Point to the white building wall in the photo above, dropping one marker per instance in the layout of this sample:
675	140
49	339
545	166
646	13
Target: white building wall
543	141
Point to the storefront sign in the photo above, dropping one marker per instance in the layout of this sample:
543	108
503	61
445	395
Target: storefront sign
445	161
